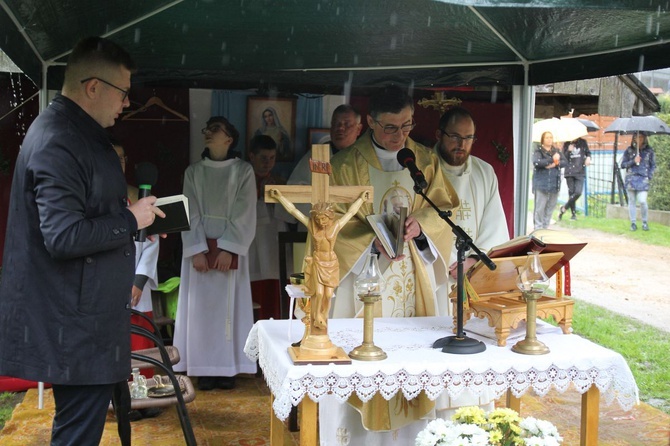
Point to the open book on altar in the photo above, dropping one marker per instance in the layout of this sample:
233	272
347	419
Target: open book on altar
390	230
544	241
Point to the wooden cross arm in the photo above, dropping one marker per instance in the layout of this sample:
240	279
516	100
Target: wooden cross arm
303	194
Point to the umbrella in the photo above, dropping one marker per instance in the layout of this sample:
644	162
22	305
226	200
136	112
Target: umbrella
561	129
590	125
638	124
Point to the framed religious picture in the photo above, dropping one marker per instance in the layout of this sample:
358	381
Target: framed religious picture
274	117
318	136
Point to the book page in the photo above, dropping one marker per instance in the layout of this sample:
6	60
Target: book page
383	233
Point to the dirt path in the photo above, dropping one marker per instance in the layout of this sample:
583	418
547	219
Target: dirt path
623	275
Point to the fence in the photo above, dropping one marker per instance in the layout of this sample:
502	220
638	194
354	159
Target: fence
601	186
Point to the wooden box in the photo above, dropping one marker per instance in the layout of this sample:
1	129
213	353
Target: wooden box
497	298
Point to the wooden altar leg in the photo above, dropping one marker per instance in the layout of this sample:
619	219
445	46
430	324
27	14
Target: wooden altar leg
588	434
513	402
308	409
276	427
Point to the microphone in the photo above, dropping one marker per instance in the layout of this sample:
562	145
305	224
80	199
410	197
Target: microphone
407	159
146	175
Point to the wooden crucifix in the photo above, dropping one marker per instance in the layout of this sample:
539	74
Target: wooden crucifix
321	265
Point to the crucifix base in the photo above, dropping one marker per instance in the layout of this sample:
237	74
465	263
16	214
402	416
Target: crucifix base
300	356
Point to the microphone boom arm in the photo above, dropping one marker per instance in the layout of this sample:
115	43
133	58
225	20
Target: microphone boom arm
460	343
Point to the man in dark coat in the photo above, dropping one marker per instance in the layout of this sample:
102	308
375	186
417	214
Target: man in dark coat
69	255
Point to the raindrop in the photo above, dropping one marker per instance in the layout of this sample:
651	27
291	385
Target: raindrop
318	6
468	47
224	45
183	59
616	41
292	30
337	11
136	37
429	19
658	28
225	59
184	28
335	60
394	41
640	64
649	23
355	59
394	19
494	94
362	19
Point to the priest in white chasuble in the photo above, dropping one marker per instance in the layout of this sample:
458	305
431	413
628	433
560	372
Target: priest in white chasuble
411	281
481	213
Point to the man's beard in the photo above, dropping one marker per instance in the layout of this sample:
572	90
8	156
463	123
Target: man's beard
449	157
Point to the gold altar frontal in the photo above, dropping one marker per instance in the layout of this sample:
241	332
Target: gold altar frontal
498	299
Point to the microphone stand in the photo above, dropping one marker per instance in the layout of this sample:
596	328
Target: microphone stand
460	343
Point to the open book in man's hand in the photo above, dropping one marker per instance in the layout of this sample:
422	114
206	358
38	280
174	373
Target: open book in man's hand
390	229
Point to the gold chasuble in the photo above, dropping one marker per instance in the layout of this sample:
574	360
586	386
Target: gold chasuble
410	287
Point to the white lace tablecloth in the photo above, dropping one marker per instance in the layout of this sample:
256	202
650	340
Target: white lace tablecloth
413	366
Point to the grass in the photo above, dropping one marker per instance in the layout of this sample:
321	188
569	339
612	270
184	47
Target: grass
645	348
658	234
8	401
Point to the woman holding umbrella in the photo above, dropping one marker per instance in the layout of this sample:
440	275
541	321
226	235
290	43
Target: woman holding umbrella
547	161
640	164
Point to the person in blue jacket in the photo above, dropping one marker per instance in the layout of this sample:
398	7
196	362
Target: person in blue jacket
639	161
547	161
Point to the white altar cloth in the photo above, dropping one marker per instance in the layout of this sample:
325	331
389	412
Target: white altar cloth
413	366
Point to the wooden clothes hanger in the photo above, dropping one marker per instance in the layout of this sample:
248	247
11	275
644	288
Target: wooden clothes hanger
154	100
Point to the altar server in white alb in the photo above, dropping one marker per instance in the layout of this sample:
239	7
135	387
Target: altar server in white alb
214	312
481	214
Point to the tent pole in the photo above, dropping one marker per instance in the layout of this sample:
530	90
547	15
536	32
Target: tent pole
523	151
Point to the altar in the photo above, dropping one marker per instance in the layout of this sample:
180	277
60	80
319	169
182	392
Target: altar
413	367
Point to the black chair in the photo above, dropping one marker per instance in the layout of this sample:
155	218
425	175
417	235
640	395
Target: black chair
163	358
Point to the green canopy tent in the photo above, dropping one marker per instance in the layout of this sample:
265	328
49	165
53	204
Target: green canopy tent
339	46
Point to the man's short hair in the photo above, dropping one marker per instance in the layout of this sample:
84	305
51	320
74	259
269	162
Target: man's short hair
452	115
228	127
345	109
390	99
92	55
261	142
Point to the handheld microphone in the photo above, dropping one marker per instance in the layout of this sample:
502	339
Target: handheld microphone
407	159
146	175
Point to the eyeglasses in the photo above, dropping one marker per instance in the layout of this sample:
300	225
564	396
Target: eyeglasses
125	92
458	139
213	129
390	128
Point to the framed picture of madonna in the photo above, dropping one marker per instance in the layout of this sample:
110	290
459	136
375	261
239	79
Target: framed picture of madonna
274	117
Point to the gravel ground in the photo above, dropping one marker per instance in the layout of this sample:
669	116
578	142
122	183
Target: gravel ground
623	275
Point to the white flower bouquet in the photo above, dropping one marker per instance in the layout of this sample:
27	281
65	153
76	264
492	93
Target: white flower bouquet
471	426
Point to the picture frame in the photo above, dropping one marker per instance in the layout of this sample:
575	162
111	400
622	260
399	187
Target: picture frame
274	117
317	136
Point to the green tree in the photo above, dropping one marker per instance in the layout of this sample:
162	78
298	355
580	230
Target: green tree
659	192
